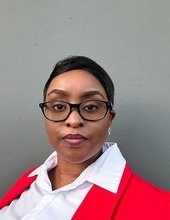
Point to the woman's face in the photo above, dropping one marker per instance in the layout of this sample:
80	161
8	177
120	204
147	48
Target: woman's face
77	140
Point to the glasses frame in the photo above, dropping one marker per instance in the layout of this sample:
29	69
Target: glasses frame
42	105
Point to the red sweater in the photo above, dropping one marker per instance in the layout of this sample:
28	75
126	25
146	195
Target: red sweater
135	200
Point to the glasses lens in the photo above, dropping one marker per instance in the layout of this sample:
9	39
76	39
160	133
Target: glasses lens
93	110
56	110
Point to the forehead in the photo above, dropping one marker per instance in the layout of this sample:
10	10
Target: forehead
76	81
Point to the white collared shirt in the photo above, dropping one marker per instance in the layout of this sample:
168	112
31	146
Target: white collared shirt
40	202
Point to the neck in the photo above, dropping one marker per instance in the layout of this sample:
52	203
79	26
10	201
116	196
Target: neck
66	172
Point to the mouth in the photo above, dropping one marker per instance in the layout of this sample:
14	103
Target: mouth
74	140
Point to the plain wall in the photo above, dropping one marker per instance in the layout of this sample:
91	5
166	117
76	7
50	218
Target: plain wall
130	39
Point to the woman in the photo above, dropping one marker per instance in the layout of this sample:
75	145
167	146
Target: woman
85	177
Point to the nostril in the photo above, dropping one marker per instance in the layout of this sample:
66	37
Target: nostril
73	125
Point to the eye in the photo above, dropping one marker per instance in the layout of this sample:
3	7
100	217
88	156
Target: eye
90	107
59	107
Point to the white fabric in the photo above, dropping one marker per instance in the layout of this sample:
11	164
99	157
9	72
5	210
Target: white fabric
39	202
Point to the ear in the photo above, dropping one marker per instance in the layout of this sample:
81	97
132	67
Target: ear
112	116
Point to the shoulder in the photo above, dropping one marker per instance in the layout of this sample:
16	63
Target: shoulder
141	190
155	191
138	199
20	185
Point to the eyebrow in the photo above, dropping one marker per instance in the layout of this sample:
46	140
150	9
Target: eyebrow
58	91
92	93
84	94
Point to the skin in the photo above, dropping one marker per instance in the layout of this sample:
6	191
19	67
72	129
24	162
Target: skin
74	155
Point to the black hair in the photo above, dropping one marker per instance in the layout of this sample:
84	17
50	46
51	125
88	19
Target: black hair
84	63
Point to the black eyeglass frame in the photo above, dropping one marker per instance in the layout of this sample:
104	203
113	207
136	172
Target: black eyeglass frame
42	105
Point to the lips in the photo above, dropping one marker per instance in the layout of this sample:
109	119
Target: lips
74	140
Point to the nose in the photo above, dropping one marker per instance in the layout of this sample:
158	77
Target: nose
74	120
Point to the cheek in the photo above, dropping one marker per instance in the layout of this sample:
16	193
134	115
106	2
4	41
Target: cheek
101	131
51	130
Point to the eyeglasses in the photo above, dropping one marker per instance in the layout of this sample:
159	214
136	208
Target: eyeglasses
91	110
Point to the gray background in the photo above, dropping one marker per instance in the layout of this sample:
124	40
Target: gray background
130	39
